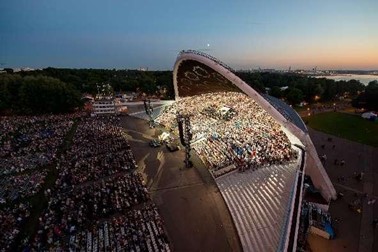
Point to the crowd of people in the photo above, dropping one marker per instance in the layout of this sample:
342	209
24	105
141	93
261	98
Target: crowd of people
99	150
247	139
28	147
12	219
20	186
98	201
29	142
137	230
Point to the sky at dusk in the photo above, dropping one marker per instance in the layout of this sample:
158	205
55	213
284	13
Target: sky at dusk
332	34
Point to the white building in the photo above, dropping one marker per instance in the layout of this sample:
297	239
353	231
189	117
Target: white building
104	107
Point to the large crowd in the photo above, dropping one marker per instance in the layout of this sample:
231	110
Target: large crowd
12	219
99	150
29	142
231	131
137	230
28	147
97	203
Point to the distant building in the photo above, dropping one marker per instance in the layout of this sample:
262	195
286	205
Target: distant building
23	69
109	106
104	107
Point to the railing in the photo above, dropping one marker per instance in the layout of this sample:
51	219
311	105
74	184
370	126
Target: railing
297	206
287	238
207	56
284	234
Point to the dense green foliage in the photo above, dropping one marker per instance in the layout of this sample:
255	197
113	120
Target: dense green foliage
369	98
300	86
352	127
150	82
19	92
86	80
36	95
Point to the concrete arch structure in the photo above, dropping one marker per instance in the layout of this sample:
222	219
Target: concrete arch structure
196	73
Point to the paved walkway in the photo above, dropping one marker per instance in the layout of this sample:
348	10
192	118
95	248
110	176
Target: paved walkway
195	214
344	187
355	231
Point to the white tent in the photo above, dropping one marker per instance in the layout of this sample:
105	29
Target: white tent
368	115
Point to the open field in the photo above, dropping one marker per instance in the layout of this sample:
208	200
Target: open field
351	127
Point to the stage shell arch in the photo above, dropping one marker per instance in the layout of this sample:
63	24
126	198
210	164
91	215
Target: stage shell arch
196	73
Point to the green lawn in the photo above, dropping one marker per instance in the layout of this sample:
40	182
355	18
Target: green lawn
352	127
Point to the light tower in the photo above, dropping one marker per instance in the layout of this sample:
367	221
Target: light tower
185	131
149	109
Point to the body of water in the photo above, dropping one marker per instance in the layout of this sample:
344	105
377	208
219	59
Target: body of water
363	78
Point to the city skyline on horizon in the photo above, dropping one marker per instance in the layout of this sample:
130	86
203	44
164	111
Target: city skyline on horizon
146	68
246	35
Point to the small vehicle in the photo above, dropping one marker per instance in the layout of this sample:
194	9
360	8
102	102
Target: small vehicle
172	147
155	143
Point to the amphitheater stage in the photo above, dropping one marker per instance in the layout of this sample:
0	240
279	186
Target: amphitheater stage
195	214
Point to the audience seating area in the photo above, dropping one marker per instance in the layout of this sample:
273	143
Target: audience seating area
11	220
98	201
28	147
138	230
27	143
250	141
248	138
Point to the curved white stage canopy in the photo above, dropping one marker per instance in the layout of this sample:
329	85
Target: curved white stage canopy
196	73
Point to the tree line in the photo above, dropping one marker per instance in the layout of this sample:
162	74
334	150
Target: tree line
39	94
54	90
86	80
369	98
301	88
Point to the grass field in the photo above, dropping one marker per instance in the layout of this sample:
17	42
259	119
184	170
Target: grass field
348	126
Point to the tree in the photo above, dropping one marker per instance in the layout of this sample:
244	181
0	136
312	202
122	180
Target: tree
294	96
148	85
4	96
8	70
330	90
313	89
41	94
369	98
276	92
9	91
